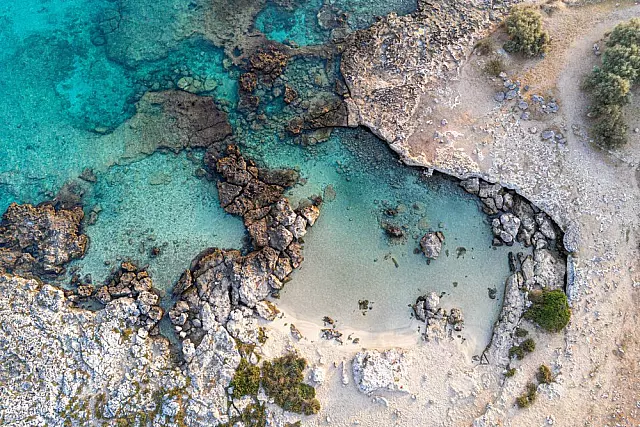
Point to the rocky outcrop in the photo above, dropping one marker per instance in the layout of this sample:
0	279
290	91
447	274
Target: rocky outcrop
389	66
438	323
515	219
69	365
226	287
128	282
175	120
40	240
497	353
373	371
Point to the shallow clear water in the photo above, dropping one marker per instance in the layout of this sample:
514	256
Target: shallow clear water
157	202
301	23
349	258
71	72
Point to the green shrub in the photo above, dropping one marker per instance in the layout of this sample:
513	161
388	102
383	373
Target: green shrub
623	61
521	332
627	34
516	351
550	310
510	372
544	375
282	381
611	83
528	345
246	380
611	128
608	89
524	27
525	400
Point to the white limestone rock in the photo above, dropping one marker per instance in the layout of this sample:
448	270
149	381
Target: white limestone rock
373	371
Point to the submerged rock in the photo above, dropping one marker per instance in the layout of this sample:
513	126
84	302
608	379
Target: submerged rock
373	371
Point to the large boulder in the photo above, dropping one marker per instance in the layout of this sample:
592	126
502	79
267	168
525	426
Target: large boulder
431	244
373	371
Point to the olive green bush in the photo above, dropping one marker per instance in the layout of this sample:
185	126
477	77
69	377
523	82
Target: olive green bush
527	36
282	380
610	84
550	310
525	400
544	375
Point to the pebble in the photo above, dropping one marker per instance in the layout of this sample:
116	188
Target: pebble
637	130
533	129
499	96
548	134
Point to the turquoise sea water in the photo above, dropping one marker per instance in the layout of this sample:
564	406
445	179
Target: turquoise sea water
71	73
310	22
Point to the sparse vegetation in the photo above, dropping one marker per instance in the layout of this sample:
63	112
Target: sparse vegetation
282	380
521	332
516	351
610	84
527	36
528	345
510	372
494	66
484	46
544	375
550	310
525	400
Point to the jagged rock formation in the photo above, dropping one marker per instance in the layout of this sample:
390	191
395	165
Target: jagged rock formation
438	323
128	282
40	240
516	219
223	286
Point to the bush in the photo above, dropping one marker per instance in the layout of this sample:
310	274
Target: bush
494	66
550	310
611	128
608	89
623	61
528	345
525	400
611	84
524	27
510	372
246	380
282	380
521	333
627	34
544	375
516	351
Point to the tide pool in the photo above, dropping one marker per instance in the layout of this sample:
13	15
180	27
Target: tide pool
349	258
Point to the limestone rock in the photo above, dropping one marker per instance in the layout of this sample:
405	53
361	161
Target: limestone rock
373	371
431	244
